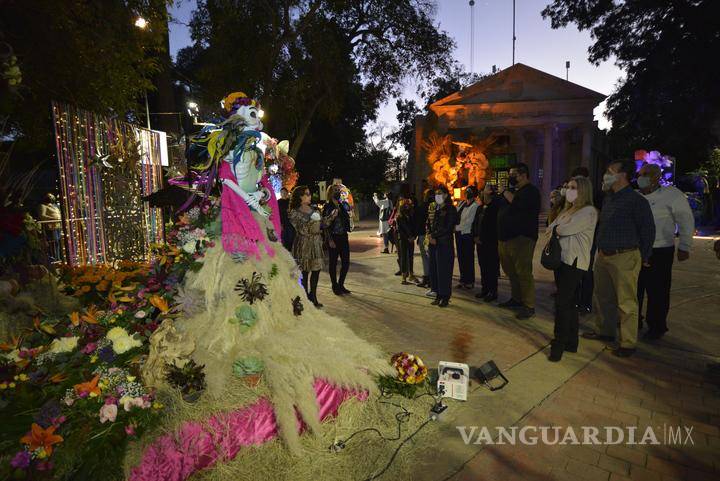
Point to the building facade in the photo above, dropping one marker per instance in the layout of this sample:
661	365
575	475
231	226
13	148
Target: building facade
519	114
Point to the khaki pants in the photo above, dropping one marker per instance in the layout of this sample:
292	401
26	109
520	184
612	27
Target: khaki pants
516	258
615	303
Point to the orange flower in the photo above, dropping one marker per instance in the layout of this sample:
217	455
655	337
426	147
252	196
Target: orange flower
90	315
90	388
75	318
160	303
58	378
41	438
9	346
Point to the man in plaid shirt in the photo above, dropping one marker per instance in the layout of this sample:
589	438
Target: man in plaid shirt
625	236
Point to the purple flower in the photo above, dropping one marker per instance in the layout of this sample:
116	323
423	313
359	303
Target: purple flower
106	354
49	412
21	460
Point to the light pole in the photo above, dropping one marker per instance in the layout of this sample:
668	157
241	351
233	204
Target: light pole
142	24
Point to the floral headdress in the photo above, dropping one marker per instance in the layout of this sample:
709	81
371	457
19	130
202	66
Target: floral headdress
235	100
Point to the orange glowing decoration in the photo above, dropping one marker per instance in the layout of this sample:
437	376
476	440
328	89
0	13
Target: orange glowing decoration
458	164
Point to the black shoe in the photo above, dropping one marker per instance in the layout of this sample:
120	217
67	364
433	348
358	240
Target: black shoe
435	302
343	290
460	286
653	335
336	290
491	297
624	352
422	284
444	303
511	304
525	313
481	294
556	351
398	273
313	299
594	336
385	251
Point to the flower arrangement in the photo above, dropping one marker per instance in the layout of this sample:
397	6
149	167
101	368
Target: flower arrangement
70	387
411	374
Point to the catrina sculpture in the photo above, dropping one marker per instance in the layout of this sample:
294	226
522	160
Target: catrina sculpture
253	311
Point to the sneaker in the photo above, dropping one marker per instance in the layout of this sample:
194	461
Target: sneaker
385	251
413	279
525	313
398	273
431	293
435	302
511	304
444	303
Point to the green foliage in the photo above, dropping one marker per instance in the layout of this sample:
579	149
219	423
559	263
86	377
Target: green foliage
86	53
390	385
248	366
669	100
190	378
320	67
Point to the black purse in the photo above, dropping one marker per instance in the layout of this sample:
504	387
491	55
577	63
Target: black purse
552	253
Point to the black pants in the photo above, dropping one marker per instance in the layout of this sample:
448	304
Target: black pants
342	250
489	261
311	287
656	281
406	251
566	315
466	258
442	258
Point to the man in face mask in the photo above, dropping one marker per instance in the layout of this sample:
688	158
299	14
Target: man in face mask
671	212
464	240
625	236
517	235
441	252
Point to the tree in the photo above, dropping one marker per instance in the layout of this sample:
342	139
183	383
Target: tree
669	100
302	57
86	53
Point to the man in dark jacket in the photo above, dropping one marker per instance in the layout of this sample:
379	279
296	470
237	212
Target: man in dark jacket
517	235
442	251
484	233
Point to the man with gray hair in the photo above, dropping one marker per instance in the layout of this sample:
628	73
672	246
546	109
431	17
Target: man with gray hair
671	212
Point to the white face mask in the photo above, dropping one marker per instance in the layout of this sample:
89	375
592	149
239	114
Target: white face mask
571	195
644	182
439	198
609	180
563	191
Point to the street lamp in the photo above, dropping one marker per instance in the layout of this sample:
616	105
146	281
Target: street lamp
141	23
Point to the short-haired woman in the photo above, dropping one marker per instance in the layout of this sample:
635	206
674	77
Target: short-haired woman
442	252
307	248
575	227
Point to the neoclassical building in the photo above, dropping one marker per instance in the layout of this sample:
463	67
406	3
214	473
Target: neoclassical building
519	114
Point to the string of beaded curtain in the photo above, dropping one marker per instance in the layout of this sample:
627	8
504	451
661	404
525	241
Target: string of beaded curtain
106	166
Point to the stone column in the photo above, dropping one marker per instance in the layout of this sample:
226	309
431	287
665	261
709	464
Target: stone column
586	156
546	186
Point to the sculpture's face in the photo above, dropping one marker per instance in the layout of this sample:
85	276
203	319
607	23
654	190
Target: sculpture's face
251	115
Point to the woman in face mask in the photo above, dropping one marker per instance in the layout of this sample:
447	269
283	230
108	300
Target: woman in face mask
442	252
336	220
575	226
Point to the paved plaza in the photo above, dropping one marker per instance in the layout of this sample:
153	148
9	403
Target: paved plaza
664	386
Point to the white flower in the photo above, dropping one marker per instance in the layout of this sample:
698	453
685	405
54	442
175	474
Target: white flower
124	344
189	247
13	355
63	344
115	333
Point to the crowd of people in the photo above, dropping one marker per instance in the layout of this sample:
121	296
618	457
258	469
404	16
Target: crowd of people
616	247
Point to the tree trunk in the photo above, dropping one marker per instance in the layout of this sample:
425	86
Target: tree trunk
304	127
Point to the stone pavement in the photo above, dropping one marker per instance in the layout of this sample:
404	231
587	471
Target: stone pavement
663	386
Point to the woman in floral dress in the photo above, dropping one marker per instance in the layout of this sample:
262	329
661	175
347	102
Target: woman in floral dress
307	246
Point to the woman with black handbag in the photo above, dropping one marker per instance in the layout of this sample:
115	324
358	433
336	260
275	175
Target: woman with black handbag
572	235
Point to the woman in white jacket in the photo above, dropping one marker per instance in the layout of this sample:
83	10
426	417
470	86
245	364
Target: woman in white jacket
575	226
385	205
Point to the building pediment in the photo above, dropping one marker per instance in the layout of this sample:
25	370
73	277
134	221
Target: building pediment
518	83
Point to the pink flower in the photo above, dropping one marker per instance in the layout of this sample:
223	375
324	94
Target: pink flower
130	430
89	348
110	400
108	413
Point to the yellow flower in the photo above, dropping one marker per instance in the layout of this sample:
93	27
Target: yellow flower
130	378
63	344
157	405
93	359
12	385
3	385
